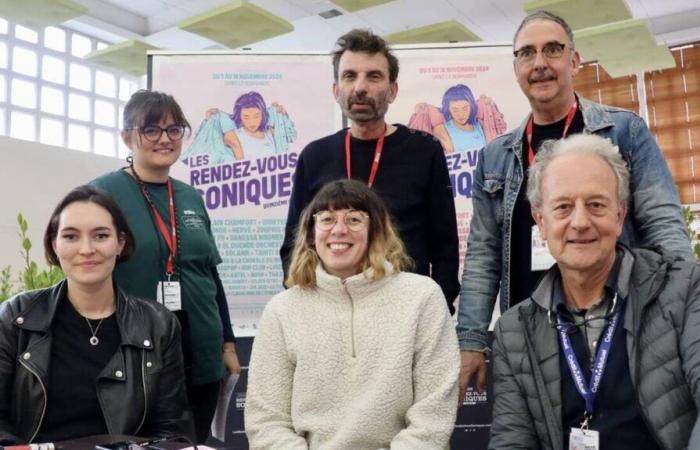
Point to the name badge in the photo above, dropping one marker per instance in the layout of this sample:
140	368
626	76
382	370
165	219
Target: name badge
169	295
581	439
541	258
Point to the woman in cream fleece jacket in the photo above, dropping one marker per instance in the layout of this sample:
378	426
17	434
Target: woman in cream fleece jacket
356	354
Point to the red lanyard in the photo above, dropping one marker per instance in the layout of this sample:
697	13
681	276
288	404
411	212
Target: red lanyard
375	163
170	236
528	132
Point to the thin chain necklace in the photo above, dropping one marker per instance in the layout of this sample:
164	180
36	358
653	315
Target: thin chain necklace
94	340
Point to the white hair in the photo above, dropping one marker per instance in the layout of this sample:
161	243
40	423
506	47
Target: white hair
577	144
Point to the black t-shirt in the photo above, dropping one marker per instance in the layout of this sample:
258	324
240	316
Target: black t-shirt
522	279
73	409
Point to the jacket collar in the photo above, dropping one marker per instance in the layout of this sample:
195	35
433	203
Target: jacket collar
641	274
542	295
127	315
595	118
38	315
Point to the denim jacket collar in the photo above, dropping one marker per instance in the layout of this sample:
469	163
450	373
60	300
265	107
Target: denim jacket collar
595	118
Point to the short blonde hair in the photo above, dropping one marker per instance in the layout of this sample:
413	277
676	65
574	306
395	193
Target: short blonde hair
384	242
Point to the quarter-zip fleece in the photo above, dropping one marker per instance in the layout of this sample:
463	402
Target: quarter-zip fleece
354	363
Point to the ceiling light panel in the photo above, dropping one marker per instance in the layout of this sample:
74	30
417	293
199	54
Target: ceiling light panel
39	14
441	32
657	58
357	5
614	40
128	56
237	24
583	13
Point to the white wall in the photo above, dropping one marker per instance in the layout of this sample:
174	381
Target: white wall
33	178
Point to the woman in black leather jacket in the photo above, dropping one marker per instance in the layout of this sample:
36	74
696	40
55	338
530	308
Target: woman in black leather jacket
82	358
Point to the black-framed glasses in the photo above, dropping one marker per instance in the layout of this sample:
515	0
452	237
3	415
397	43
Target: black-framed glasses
551	50
354	220
152	133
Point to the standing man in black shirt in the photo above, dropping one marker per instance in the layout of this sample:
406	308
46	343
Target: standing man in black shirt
405	167
504	249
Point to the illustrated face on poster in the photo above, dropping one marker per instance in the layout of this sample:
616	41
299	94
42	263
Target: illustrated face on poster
250	130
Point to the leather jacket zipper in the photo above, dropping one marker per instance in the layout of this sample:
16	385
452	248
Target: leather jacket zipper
145	395
43	389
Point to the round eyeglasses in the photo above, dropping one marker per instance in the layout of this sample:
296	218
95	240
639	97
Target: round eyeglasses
354	220
152	133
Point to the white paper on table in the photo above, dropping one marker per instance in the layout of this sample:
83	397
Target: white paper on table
218	424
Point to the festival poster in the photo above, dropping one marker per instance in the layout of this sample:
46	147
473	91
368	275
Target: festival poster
465	97
251	116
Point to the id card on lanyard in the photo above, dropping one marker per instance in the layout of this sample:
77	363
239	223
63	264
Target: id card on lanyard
167	292
583	438
375	161
169	295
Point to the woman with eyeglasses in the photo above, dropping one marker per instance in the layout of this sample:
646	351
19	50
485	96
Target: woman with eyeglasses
176	257
356	353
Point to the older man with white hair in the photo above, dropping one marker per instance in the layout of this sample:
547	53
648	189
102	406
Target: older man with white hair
605	352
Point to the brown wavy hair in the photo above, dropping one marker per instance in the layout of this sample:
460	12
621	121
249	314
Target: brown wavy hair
384	243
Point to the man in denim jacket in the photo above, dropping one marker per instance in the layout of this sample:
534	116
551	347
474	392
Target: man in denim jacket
500	241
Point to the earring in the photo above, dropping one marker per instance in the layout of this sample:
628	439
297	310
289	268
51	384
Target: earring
130	159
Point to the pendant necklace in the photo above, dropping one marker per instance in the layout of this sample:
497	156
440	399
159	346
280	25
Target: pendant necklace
94	340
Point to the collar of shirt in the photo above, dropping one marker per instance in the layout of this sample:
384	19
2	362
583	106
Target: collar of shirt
612	285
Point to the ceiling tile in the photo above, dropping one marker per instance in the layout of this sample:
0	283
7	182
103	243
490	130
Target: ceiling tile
357	5
583	14
441	32
38	14
129	56
657	58
237	25
614	40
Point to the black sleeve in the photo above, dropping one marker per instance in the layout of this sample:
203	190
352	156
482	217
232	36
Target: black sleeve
8	358
223	307
170	415
444	241
297	202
